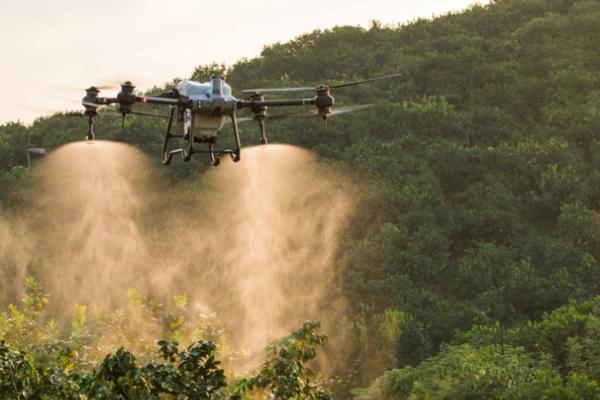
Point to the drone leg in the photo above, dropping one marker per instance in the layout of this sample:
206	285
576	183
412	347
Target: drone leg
189	148
166	159
235	156
89	136
263	133
215	158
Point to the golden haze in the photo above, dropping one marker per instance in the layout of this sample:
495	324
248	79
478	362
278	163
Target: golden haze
253	242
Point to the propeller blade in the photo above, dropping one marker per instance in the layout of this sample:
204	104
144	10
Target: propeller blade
76	100
45	110
315	112
143	113
279	90
347	109
119	82
307	88
107	86
364	81
148	114
88	104
99	87
310	113
101	107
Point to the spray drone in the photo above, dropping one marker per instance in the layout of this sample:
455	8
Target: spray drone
203	108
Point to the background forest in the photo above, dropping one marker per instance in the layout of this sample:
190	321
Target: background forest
471	268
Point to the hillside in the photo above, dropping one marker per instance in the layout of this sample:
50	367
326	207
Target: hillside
478	233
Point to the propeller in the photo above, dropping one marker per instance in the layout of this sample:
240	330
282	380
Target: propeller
45	110
341	85
147	114
315	112
116	111
119	82
311	113
308	88
279	90
90	104
106	86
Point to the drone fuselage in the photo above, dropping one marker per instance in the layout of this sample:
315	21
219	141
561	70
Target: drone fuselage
212	102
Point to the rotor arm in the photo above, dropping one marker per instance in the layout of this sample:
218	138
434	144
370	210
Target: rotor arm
110	100
98	101
157	100
275	103
105	101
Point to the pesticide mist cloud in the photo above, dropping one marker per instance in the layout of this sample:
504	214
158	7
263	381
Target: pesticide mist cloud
16	251
85	230
259	241
253	243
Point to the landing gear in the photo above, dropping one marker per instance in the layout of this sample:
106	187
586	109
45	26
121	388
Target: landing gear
166	153
215	157
188	150
89	136
235	154
263	133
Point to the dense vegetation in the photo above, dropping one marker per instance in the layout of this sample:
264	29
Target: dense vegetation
472	270
38	361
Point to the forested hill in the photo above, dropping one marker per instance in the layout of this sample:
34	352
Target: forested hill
479	247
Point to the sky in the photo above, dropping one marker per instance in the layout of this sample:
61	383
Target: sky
52	47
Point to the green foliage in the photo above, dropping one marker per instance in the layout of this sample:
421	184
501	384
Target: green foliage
579	225
193	373
482	187
567	335
46	365
284	374
489	372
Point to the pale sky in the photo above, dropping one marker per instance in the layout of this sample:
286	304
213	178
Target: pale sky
47	45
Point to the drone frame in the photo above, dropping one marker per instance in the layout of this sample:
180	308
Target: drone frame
218	106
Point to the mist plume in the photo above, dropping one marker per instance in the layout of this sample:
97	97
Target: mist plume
258	241
86	203
253	243
15	255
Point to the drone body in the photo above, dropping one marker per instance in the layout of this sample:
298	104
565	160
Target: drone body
202	110
214	107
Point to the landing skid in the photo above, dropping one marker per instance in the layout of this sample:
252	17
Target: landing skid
189	150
